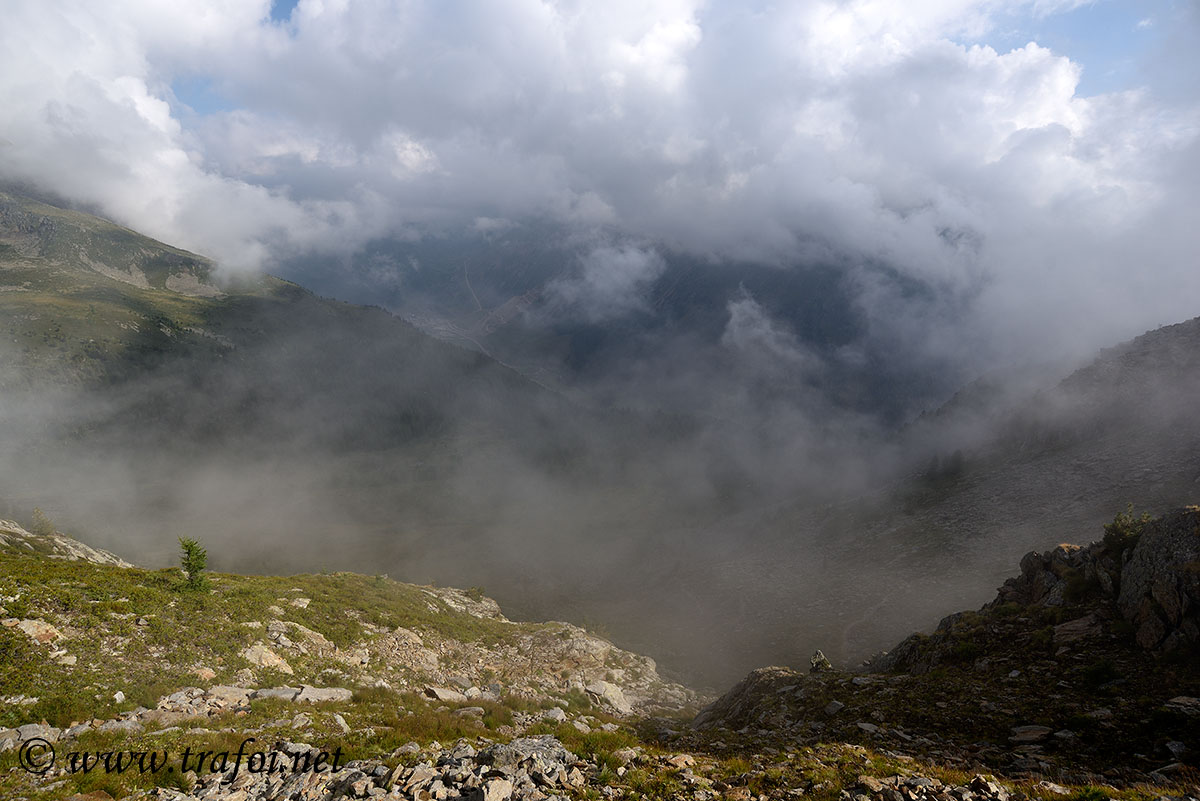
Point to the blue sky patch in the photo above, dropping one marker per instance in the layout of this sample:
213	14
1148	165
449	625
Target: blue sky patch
200	94
281	10
1109	38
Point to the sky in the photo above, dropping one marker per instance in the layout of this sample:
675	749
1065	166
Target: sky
1038	160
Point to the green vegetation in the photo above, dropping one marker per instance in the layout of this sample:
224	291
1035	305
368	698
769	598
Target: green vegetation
193	559
41	525
1090	794
132	630
1123	532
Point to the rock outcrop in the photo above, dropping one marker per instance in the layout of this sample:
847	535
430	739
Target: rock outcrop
55	545
1160	584
741	704
1150	579
1063	676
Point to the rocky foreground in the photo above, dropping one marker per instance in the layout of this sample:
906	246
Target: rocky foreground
1083	671
1080	682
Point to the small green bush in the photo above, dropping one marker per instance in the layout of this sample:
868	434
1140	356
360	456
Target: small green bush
1042	639
1100	673
193	559
965	651
1124	531
41	524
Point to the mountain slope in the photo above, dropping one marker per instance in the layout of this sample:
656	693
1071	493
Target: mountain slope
1081	670
349	686
143	401
847	571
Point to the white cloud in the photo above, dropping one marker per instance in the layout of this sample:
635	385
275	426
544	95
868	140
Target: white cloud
752	333
611	282
858	130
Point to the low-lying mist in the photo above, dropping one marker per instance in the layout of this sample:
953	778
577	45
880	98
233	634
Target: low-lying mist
762	522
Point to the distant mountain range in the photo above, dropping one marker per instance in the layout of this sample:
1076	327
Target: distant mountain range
575	311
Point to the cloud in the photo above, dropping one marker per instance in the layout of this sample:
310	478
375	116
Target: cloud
853	131
611	282
751	332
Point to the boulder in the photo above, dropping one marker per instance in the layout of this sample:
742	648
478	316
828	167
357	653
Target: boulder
284	693
497	790
261	655
31	731
321	695
222	695
1082	628
123	726
1160	583
164	717
1186	704
445	694
612	695
470	711
39	630
1029	734
545	748
739	706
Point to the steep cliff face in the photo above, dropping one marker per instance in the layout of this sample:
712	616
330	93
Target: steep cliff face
1160	584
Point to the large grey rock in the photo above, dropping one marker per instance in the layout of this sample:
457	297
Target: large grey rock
1029	734
1083	628
739	706
544	748
1160	584
1186	704
285	693
36	730
612	695
259	654
445	694
56	545
224	695
124	726
320	695
497	790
